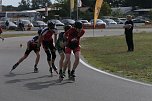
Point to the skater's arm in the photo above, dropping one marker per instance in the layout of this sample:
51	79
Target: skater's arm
81	33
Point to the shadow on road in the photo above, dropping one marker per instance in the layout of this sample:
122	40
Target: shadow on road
46	84
13	74
28	79
36	85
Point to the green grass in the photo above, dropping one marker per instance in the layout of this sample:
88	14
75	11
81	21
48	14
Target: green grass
109	53
16	35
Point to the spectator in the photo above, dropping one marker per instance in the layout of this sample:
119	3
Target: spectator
7	24
129	33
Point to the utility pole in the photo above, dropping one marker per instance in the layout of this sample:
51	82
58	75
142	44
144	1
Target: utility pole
46	9
77	9
0	5
79	4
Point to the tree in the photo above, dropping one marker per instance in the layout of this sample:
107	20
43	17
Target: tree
150	15
105	9
65	8
64	4
88	3
9	8
40	3
24	5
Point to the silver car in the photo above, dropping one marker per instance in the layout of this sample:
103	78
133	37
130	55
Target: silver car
39	24
56	22
11	25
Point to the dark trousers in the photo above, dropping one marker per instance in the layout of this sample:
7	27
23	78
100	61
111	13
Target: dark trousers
129	41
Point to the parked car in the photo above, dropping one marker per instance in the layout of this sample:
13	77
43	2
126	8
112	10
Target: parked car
120	20
68	21
39	24
85	22
98	22
25	22
11	25
27	25
56	22
140	21
109	21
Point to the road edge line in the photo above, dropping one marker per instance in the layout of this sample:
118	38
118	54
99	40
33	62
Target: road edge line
126	79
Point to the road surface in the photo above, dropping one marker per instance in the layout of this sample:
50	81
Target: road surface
90	85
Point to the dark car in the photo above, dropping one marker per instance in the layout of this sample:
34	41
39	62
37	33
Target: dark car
68	21
140	21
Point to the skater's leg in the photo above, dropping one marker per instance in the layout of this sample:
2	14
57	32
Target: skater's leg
37	58
61	64
76	62
67	59
69	69
19	61
36	61
49	60
61	60
53	60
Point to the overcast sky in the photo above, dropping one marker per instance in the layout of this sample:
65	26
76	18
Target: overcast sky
13	2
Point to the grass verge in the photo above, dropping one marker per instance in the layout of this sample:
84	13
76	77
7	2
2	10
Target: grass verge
109	53
16	35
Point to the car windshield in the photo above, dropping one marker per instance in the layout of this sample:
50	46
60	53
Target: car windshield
110	20
40	22
70	20
11	23
84	21
25	21
98	20
55	21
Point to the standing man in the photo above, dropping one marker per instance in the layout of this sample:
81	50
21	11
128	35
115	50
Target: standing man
32	45
129	33
72	37
7	24
48	45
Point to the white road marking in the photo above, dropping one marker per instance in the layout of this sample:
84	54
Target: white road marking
87	65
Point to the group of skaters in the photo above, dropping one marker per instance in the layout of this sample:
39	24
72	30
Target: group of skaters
66	42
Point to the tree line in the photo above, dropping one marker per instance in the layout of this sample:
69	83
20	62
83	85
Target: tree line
64	6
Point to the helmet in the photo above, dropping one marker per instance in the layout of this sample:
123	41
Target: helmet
67	27
35	38
51	25
78	24
39	31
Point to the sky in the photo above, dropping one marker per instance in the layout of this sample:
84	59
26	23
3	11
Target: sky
13	2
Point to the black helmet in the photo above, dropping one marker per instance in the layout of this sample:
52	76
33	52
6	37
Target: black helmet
51	25
67	27
78	24
35	38
39	31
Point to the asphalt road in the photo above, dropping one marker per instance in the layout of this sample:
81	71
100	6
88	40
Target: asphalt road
90	85
91	32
